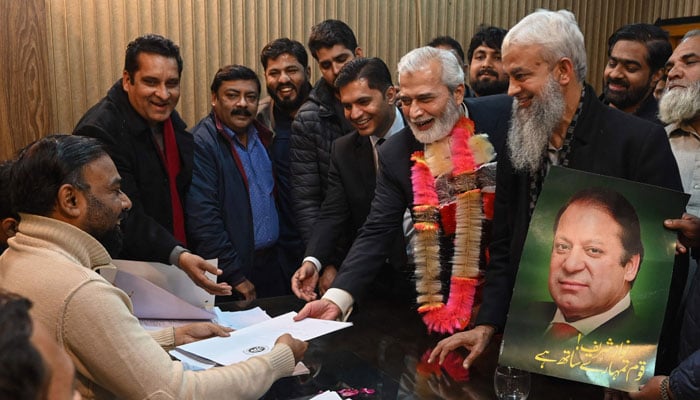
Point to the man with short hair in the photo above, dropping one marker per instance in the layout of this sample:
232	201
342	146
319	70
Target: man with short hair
146	138
556	120
368	97
8	218
319	122
431	83
486	74
68	193
231	209
32	365
637	54
287	79
597	245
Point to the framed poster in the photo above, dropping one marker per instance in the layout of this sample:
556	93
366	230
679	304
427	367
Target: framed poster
593	281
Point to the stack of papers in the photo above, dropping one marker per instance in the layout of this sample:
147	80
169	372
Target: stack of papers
256	340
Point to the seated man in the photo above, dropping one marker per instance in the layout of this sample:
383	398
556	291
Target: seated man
32	365
68	193
8	218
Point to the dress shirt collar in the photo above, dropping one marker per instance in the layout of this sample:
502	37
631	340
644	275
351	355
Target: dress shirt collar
588	325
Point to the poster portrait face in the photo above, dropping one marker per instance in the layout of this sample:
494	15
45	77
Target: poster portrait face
590	270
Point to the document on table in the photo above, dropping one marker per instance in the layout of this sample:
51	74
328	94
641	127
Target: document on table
160	291
260	338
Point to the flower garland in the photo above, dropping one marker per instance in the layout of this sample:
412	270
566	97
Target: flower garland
467	152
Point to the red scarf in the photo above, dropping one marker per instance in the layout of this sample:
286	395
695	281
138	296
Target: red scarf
172	166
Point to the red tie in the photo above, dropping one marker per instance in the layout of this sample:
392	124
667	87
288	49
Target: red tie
172	166
562	331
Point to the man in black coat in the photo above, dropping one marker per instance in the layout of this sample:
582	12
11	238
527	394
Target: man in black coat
145	136
557	120
430	94
368	97
319	122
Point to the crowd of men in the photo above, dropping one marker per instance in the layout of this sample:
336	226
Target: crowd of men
310	191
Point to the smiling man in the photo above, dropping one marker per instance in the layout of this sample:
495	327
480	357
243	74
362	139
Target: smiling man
637	54
556	119
319	122
431	83
68	193
596	254
231	206
486	74
368	99
287	79
146	138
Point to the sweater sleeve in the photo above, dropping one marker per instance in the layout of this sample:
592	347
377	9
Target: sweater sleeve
115	353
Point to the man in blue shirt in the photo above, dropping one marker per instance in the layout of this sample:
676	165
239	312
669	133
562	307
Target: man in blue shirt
231	208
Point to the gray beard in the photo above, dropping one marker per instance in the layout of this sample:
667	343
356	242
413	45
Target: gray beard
531	127
442	126
680	104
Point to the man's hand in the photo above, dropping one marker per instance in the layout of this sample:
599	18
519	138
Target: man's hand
688	227
475	340
247	289
304	281
327	275
200	330
298	347
195	267
321	309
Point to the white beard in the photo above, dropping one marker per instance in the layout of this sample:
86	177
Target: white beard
531	127
441	127
681	104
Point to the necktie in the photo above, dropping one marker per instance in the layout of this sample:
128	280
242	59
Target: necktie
376	155
562	331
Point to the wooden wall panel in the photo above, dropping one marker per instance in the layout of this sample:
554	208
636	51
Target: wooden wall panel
82	52
25	105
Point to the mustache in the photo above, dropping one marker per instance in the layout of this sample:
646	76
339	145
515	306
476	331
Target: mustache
241	111
487	71
618	81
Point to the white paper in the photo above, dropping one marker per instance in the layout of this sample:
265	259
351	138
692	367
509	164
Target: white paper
240	319
327	395
260	338
160	291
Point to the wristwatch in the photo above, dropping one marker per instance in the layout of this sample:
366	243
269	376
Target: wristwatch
664	389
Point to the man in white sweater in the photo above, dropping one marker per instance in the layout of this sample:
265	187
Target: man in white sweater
68	193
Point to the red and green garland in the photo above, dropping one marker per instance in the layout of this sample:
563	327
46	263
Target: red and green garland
467	153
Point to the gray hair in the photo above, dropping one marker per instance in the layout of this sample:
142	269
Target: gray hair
689	34
557	32
452	72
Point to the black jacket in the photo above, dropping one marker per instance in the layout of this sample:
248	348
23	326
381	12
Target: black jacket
127	138
316	126
607	142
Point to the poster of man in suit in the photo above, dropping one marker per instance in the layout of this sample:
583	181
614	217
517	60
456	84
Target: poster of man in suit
595	314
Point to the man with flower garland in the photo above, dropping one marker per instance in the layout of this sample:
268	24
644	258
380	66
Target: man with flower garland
431	84
556	120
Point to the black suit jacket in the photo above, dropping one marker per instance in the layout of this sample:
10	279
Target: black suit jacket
394	193
127	138
606	142
351	183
